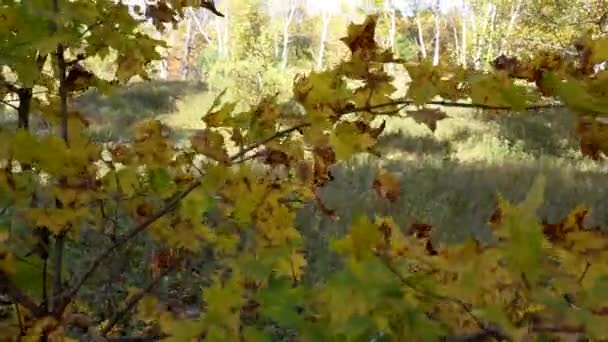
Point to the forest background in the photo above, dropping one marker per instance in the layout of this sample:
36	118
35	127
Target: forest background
443	169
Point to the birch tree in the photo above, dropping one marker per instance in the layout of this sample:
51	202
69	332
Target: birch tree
437	13
325	19
514	13
187	47
291	10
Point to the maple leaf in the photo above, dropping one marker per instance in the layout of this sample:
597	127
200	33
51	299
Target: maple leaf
428	117
361	36
211	144
387	185
422	87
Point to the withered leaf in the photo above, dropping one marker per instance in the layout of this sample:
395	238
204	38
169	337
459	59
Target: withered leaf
427	116
387	186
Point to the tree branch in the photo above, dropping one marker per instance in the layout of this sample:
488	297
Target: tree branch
63	112
277	135
8	104
169	207
134	300
120	242
488	330
405	102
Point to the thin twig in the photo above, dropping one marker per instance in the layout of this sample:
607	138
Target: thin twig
580	279
132	234
466	307
277	135
6	103
407	102
170	206
19	319
134	300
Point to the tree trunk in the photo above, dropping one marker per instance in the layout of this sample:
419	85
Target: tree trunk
199	26
326	16
515	8
187	49
25	100
393	30
421	43
285	52
436	52
221	51
463	36
490	36
481	36
456	42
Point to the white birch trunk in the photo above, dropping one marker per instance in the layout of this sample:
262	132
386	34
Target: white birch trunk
463	35
285	52
421	43
481	35
436	52
219	32
326	16
456	42
515	8
199	26
393	30
490	35
187	48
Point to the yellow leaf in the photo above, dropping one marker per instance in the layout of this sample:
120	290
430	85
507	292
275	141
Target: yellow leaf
148	309
292	266
347	140
221	117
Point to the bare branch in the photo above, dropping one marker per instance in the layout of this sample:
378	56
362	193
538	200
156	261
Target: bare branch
8	104
169	207
277	135
133	301
495	332
120	242
406	102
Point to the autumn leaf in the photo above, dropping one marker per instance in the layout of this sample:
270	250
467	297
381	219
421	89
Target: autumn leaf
220	117
211	144
428	117
387	185
361	36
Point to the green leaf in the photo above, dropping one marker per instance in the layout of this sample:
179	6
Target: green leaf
347	140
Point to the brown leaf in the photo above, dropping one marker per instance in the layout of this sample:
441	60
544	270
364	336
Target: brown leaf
387	186
593	135
572	222
421	230
324	158
427	116
305	172
364	127
274	157
361	37
210	144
